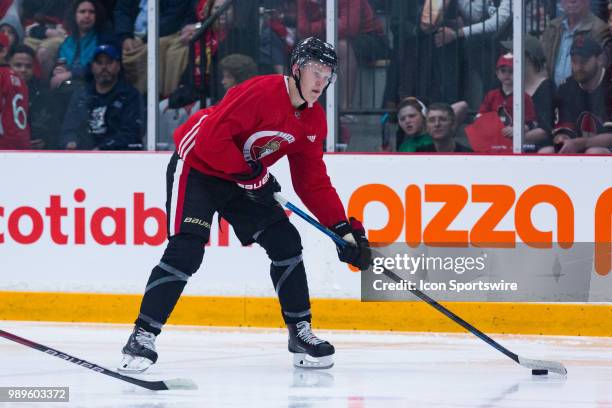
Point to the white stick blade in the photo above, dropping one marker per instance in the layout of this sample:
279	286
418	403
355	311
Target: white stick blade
551	366
181	384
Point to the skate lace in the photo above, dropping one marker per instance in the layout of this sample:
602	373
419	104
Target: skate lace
306	334
145	339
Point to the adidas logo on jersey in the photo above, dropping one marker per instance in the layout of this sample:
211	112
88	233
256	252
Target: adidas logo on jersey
312	138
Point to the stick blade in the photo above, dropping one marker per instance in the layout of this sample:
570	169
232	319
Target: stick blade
551	366
180	384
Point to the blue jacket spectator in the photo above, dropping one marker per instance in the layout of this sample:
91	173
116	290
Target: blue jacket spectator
87	24
107	114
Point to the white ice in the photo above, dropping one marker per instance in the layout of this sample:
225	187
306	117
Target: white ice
239	367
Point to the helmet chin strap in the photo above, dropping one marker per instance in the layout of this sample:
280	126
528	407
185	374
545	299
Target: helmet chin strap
296	77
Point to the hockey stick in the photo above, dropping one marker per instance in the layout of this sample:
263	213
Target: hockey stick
552	366
174	384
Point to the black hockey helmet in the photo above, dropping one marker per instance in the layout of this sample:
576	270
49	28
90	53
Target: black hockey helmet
313	49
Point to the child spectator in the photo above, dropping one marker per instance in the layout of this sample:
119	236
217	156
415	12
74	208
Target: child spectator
411	134
45	113
14	128
500	101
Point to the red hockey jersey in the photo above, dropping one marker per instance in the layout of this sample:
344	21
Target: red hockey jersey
14	127
256	121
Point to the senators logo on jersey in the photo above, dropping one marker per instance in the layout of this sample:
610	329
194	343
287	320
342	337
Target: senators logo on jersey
264	143
589	124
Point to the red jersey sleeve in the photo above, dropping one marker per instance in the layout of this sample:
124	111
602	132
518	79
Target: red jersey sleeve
312	184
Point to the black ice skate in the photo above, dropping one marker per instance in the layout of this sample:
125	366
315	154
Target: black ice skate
139	352
308	350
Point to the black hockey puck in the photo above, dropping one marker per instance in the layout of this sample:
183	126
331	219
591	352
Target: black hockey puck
539	372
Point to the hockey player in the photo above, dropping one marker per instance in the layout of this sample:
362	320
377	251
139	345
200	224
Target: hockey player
221	165
14	127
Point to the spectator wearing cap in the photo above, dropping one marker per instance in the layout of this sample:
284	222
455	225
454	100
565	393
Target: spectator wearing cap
558	37
584	103
500	100
538	85
108	113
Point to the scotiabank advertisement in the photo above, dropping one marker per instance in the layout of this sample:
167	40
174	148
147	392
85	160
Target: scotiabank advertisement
95	222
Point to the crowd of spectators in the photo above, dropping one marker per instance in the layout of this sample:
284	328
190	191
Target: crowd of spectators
75	71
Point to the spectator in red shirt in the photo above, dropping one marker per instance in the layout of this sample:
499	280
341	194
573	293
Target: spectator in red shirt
500	100
14	127
360	37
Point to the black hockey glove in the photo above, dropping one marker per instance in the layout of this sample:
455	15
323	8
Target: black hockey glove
258	185
358	252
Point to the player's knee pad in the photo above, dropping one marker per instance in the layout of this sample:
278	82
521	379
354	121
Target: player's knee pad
284	247
183	254
281	241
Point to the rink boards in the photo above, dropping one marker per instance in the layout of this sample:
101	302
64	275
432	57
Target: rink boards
79	234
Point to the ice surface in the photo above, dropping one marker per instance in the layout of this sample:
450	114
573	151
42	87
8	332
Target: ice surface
240	367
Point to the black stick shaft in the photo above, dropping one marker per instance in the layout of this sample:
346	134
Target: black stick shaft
454	317
151	385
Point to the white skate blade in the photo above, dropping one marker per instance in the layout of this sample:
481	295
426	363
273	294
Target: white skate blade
303	360
134	365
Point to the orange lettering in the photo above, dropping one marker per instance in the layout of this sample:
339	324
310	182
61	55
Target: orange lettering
413	215
483	233
565	216
389	198
603	233
437	231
